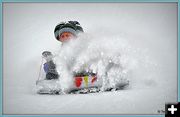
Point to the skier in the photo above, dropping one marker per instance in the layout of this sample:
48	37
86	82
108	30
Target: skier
65	31
49	66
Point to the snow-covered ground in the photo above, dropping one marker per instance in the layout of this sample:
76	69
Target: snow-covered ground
143	34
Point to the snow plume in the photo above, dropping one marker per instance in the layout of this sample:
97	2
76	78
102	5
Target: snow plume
112	58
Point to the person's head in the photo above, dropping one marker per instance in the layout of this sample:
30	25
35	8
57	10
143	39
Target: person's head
65	31
47	55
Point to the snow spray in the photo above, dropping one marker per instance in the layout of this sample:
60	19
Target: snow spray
111	58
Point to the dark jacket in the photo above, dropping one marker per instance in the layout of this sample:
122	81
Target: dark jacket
50	69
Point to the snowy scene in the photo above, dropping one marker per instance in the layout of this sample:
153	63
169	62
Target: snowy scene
113	45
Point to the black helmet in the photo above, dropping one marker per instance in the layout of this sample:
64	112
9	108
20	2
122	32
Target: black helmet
70	26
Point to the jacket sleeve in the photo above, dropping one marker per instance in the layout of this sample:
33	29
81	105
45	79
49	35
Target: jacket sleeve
52	67
45	67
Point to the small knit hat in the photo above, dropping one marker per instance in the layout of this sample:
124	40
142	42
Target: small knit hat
46	54
71	26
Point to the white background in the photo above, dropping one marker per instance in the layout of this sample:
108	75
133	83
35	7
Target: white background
28	30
